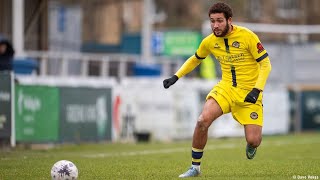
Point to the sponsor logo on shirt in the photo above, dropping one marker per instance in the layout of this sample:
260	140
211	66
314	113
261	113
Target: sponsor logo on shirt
231	58
260	47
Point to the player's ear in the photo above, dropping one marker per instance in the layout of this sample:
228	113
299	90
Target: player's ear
229	20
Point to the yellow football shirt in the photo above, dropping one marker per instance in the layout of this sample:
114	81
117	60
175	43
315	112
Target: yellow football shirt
238	53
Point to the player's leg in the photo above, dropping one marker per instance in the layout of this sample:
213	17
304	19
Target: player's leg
210	112
253	135
251	116
218	103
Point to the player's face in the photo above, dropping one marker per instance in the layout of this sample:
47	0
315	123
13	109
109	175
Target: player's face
219	24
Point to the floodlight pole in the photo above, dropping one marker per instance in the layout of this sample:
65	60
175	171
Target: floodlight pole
147	19
18	27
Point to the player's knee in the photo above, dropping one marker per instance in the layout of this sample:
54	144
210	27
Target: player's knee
202	123
254	141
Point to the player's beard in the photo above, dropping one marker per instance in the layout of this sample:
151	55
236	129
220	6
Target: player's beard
224	32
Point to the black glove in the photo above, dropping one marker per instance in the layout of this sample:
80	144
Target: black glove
253	95
168	82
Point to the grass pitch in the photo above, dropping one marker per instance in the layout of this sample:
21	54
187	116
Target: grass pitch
295	156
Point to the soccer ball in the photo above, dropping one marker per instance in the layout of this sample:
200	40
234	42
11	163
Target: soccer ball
64	170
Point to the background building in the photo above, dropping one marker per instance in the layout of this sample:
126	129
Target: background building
107	22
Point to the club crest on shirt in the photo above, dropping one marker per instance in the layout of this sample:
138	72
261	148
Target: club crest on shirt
236	44
254	115
260	47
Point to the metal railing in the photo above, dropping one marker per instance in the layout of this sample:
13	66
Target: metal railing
90	64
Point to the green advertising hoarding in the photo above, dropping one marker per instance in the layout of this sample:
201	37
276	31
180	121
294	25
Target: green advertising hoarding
310	110
304	109
5	105
37	113
85	114
181	43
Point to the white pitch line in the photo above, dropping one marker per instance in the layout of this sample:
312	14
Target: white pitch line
175	150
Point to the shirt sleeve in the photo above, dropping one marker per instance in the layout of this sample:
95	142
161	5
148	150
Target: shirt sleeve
261	56
256	48
202	52
188	66
265	68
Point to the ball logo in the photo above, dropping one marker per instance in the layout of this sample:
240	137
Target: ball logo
64	171
254	115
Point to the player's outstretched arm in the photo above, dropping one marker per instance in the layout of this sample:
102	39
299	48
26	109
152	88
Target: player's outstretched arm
187	67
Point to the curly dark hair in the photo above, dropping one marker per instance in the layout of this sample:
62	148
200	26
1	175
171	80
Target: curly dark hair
221	7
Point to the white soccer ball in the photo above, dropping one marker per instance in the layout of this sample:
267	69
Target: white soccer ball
64	170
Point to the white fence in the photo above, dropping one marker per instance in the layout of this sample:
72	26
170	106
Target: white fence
89	64
291	64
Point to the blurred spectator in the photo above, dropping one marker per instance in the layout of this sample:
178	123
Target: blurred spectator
6	54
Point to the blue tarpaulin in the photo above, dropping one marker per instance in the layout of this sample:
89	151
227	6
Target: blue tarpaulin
24	66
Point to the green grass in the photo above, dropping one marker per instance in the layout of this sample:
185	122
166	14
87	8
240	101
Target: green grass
278	157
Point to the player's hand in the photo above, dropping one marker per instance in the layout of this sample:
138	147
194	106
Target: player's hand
253	95
170	81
